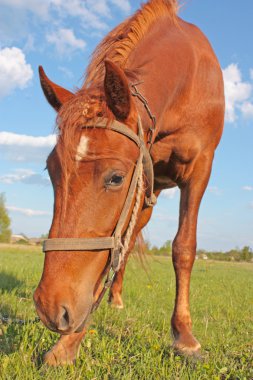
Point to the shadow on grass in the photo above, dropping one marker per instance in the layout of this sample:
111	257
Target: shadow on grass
8	282
10	338
26	337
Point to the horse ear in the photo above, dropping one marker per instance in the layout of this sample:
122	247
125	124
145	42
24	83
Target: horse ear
117	91
55	94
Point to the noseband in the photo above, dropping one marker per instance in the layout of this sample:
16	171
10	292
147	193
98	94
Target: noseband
119	241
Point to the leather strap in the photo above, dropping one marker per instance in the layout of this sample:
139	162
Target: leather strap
78	244
116	126
129	200
113	243
121	128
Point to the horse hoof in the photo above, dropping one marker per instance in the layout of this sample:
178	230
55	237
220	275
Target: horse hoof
192	349
116	302
188	353
53	360
117	306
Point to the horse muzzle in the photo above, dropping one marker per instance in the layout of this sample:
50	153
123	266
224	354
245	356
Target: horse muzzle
59	315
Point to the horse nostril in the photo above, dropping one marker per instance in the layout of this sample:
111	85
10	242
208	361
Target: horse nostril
64	319
66	316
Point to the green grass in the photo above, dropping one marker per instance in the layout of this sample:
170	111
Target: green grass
135	343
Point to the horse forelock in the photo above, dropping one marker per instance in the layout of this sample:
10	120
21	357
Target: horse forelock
85	106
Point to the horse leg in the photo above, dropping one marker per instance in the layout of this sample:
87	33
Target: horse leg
184	251
65	351
115	298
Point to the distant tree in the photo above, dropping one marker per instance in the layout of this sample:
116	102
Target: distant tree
22	241
44	236
5	231
147	244
168	245
166	248
234	254
246	253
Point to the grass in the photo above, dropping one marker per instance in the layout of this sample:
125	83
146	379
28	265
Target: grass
134	343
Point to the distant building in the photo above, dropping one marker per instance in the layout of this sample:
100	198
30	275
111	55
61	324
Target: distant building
36	241
16	238
25	240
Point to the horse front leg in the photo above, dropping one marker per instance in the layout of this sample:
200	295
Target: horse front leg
183	254
115	295
65	351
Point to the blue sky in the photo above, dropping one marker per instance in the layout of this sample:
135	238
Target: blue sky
60	35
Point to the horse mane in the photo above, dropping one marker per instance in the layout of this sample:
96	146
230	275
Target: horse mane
89	102
123	39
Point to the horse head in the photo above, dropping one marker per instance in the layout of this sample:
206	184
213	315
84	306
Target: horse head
91	171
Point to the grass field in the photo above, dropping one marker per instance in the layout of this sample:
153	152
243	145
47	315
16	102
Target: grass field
134	343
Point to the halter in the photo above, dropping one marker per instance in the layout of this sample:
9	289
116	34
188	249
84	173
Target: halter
116	243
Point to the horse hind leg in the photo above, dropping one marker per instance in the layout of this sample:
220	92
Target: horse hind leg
183	254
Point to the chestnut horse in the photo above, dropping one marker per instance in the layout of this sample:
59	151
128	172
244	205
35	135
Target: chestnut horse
157	73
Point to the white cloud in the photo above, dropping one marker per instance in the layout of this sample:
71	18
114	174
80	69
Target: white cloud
214	190
28	211
15	72
170	193
104	7
17	147
124	5
248	188
30	15
9	138
247	110
79	9
65	41
25	176
251	74
30	44
36	6
100	6
237	93
66	72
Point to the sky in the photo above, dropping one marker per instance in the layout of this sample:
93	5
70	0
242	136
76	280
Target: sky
61	35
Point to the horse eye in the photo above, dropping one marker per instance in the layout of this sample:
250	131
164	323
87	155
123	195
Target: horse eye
115	180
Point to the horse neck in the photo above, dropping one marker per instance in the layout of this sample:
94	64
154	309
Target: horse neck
141	69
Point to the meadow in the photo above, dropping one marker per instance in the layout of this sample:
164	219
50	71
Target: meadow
134	343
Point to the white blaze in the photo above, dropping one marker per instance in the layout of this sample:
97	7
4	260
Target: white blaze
82	148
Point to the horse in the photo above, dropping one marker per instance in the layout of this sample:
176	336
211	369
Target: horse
148	117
